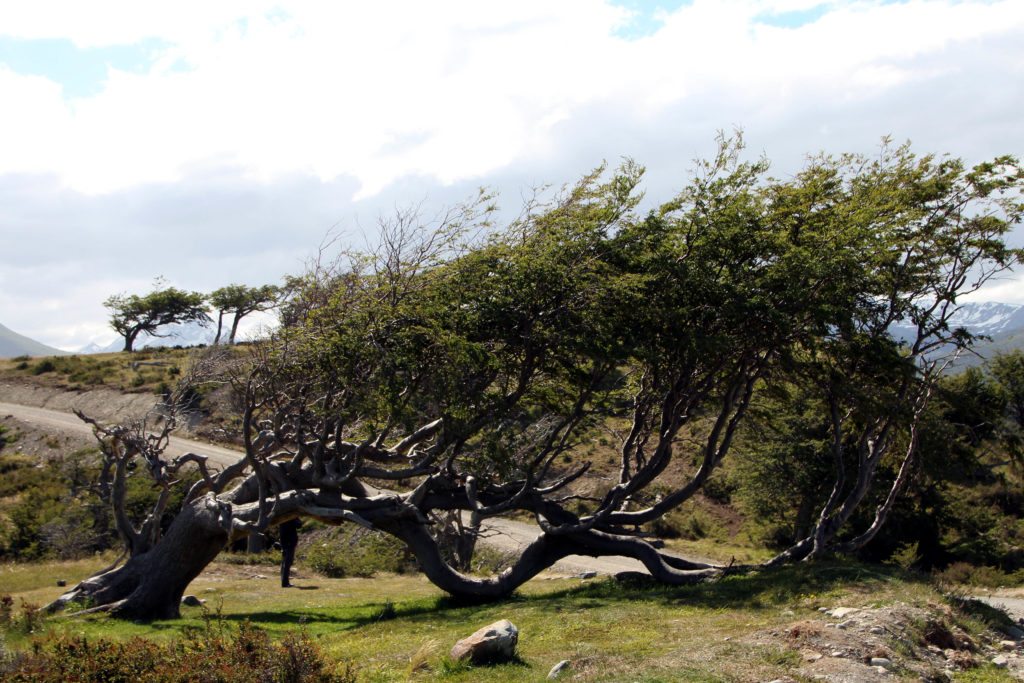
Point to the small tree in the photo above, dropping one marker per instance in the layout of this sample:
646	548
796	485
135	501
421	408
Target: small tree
133	314
241	301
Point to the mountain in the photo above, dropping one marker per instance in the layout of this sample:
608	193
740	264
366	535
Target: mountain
1002	323
13	344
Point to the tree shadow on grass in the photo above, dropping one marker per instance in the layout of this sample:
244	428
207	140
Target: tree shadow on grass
761	590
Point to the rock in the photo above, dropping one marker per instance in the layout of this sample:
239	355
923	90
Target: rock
840	612
883	662
61	582
812	656
1000	662
558	669
877	630
493	643
586	575
1008	644
845	624
191	601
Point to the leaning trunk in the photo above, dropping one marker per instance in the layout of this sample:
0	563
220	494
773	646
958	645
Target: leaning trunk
150	586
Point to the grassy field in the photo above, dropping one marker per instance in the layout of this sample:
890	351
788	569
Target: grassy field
151	370
396	628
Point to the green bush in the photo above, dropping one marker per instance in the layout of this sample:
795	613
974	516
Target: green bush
354	552
43	366
964	573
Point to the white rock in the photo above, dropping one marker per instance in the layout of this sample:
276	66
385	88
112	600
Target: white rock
1000	662
882	662
1008	644
558	669
840	612
495	642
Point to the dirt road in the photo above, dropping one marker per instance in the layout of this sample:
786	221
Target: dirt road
68	422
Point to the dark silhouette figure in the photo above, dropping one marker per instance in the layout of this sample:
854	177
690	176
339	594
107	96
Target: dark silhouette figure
289	532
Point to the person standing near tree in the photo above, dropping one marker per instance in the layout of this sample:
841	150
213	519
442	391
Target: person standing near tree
289	532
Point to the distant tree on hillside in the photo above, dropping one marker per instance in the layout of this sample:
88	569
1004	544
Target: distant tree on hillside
133	314
241	301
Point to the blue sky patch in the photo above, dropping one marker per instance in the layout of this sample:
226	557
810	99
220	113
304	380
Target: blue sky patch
81	71
645	20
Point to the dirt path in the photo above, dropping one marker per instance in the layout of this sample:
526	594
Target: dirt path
68	422
504	534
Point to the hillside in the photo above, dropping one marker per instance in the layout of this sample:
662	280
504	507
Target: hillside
13	344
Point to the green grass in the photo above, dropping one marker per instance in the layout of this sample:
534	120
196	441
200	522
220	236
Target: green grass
610	630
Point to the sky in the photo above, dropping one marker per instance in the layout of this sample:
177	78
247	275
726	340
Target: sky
219	142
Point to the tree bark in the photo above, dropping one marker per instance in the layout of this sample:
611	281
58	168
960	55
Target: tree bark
150	586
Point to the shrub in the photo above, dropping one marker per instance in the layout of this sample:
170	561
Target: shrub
343	551
43	366
246	656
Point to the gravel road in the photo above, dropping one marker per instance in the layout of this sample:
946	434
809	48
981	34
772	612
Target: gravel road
68	422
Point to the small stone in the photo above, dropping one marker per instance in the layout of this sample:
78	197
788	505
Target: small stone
61	582
812	656
558	669
496	642
840	612
728	638
823	610
881	661
191	601
881	669
1000	662
1008	644
877	630
586	575
836	653
845	624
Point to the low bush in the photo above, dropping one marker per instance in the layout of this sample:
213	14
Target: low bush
349	551
966	574
247	655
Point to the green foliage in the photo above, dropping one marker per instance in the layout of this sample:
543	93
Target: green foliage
49	509
241	300
43	367
349	551
133	314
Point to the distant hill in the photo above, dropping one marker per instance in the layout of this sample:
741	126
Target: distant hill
13	344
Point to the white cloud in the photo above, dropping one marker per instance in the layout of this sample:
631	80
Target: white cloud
309	106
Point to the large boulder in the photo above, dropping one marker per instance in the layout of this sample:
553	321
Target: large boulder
494	643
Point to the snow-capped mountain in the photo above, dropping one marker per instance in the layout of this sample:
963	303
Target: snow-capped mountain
983	318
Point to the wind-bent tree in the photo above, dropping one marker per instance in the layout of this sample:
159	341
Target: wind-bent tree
240	301
132	314
447	373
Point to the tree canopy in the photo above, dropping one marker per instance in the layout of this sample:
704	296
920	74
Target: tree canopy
241	300
132	314
462	369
